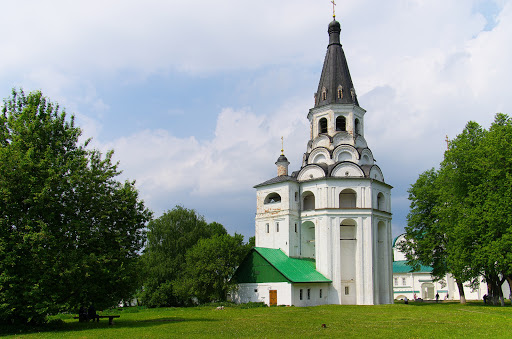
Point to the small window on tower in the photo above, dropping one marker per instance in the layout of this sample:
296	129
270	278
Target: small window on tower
295	227
296	196
340	92
277	227
324	94
341	123
267	226
347	290
322	125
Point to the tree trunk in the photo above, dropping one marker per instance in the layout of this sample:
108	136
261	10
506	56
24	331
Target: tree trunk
460	286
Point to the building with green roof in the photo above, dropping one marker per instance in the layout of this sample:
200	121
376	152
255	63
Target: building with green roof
323	232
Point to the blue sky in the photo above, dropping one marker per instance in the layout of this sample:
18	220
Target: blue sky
195	96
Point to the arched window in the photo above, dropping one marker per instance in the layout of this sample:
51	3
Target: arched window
348	198
357	127
322	125
308	201
381	202
340	92
341	123
272	198
324	94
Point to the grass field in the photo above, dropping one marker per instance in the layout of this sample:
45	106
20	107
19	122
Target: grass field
385	321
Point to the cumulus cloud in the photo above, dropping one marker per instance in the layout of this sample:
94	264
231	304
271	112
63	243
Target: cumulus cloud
421	69
243	151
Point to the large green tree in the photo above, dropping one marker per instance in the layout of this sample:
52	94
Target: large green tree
70	233
469	216
169	238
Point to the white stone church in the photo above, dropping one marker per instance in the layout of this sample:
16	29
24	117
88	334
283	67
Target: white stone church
323	233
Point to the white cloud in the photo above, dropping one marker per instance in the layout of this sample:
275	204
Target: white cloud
243	151
422	69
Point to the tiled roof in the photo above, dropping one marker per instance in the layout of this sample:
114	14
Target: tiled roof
281	178
297	270
401	266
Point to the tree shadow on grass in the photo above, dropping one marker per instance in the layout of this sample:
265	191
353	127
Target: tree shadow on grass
75	326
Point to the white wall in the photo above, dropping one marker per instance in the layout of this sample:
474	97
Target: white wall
259	292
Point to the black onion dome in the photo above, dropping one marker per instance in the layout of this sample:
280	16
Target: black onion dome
282	158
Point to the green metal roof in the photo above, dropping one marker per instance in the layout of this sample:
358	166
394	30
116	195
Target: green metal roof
401	266
297	270
263	265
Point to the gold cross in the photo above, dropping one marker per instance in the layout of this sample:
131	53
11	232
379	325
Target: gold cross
282	146
333	12
447	143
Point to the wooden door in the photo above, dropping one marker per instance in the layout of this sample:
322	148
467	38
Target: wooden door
273	297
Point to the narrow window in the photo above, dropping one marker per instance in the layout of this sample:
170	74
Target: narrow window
341	124
268	228
277	227
403	282
295	227
357	127
300	294
396	281
324	95
255	290
339	94
347	290
309	293
320	293
296	196
322	126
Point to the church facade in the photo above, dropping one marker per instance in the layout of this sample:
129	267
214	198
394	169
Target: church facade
323	233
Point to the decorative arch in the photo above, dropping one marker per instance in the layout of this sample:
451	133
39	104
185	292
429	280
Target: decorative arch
345	153
366	157
311	171
308	201
272	198
322	140
347	169
376	173
348	198
317	153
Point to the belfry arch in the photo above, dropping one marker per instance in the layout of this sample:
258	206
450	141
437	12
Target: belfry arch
348	198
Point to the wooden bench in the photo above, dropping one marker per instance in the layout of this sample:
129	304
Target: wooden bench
110	318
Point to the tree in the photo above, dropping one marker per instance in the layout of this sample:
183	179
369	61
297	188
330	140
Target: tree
70	233
169	238
467	225
210	264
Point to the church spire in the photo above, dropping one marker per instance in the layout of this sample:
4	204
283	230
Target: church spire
335	85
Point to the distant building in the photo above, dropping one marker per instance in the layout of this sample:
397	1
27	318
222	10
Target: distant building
420	283
323	233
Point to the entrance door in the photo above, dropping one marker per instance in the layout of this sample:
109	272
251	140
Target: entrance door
273	297
427	291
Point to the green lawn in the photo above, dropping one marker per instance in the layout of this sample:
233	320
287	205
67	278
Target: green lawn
399	320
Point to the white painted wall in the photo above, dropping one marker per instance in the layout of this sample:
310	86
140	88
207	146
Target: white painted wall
259	292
